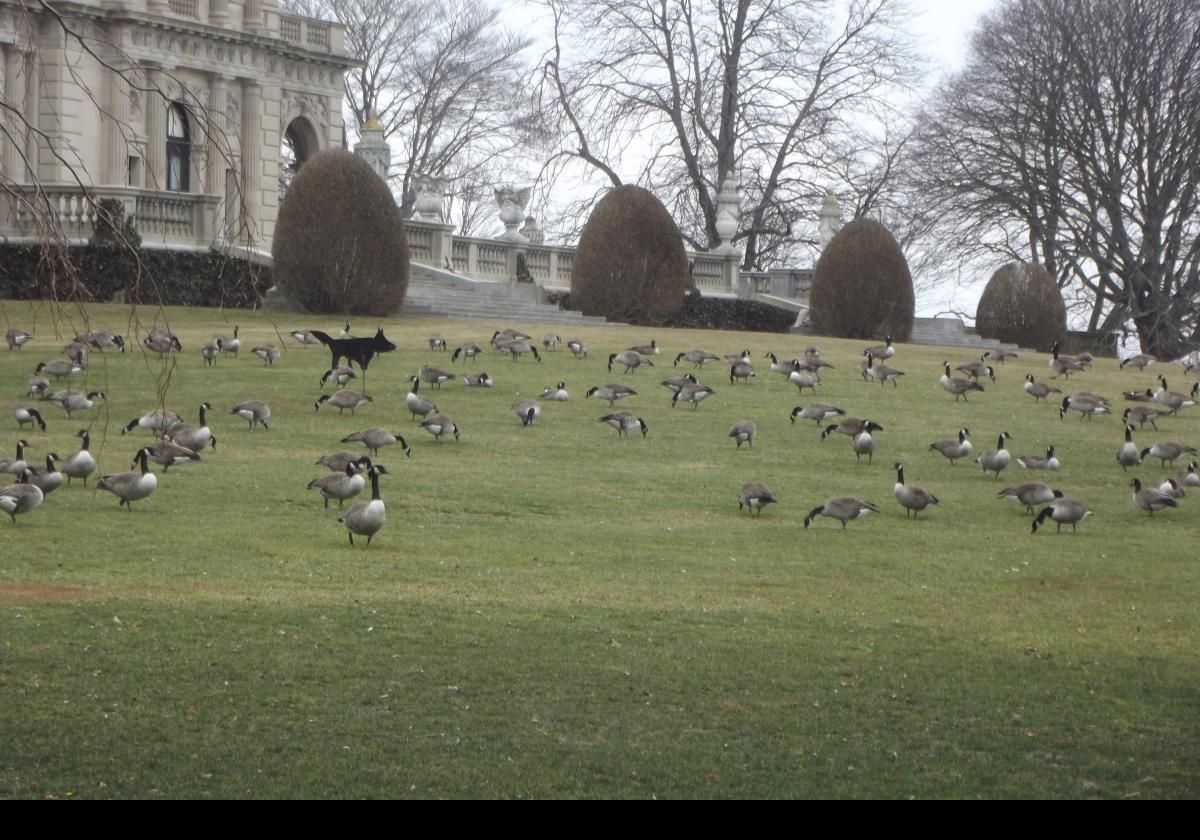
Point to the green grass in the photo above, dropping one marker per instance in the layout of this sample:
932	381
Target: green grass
553	612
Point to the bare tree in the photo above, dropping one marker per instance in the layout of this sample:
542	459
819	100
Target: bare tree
1072	139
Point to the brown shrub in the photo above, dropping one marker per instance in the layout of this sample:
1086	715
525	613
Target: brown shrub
862	287
339	242
630	265
1022	305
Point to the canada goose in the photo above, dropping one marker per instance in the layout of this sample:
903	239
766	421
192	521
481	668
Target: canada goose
995	460
863	444
1138	362
131	486
881	351
650	349
625	422
367	518
21	497
740	370
337	461
1000	355
1039	390
527	410
550	341
1096	398
579	348
267	352
478	380
1062	366
81	464
882	373
1150	499
812	351
509	334
692	393
864	365
102	339
376	438
1167	451
253	412
956	385
162	345
345	331
229	345
754	496
158	420
1128	455
817	411
1189	477
522	348
168	453
787	366
36	384
977	369
342	399
72	401
17	338
813	363
26	413
1143	414
210	351
804	379
1086	407
852	426
1173	399
954	448
675	383
436	342
435	375
58	368
744	431
734	358
342	485
1040	462
841	508
630	358
76	352
305	337
467	351
1169	487
192	437
610	393
912	498
1063	512
440	424
556	393
1030	493
340	375
15	466
416	403
47	478
697	357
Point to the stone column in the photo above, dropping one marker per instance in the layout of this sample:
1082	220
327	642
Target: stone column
219	152
251	156
253	14
155	107
33	104
117	126
11	165
218	12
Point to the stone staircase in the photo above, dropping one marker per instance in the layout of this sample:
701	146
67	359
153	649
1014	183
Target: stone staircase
945	332
433	291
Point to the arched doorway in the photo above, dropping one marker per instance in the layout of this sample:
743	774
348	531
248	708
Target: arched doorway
299	143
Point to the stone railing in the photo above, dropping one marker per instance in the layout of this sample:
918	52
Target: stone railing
184	8
311	34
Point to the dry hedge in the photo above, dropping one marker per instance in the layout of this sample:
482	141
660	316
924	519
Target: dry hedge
862	287
1022	305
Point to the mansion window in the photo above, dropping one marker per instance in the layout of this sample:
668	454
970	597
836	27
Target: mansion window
179	148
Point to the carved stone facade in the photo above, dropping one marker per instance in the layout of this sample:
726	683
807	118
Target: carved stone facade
178	108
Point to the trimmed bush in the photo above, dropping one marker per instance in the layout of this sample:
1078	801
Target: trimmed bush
339	242
862	287
1022	305
630	265
709	313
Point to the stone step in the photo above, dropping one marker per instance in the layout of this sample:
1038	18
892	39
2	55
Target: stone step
436	292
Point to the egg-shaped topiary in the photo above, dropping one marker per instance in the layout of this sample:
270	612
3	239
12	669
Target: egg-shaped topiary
630	264
339	242
1022	305
862	287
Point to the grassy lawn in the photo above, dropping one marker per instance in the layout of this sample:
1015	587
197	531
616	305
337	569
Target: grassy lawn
551	611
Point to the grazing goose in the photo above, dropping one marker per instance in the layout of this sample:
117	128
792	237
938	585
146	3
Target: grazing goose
1030	494
675	383
556	393
1189	477
47	478
15	466
305	337
1173	399
697	357
630	358
692	393
1144	414
375	439
523	348
842	508
17	338
478	380
1167	451
341	485
579	348
881	351
158	420
1039	390
417	404
813	363
102	339
467	351
550	341
744	431
527	410
340	375
434	375
229	345
1040	462
650	349
977	369
72	401
37	385
802	379
863	444
1139	362
367	518
343	399
502	337
134	485
995	460
1150	499
168	453
162	344
1169	487
21	497
625	422
610	393
742	370
440	424
1063	512
1128	455
77	353
817	411
436	342
882	373
956	385
999	355
337	461
26	413
267	352
253	412
912	498
785	367
1062	366
954	448
192	437
852	426
1086	407
210	351
81	464
58	368
754	496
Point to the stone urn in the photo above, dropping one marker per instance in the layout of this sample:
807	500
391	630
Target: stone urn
511	202
427	197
